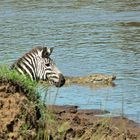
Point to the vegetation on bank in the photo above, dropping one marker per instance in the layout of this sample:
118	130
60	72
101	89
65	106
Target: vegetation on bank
24	83
20	92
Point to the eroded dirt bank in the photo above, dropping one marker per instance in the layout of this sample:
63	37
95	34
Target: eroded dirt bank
19	116
73	123
20	120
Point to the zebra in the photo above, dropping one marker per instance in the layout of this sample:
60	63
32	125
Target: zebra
38	65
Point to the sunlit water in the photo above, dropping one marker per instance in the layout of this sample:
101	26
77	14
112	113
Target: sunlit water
89	36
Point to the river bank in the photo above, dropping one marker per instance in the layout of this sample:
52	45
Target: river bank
23	116
20	119
74	123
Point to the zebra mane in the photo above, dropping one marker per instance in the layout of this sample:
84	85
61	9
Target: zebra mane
43	52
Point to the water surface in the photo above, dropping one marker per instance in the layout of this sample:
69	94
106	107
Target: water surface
89	36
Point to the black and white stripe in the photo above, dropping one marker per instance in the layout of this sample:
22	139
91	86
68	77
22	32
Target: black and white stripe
38	65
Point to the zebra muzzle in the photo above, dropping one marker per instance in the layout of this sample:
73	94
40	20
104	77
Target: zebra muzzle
61	81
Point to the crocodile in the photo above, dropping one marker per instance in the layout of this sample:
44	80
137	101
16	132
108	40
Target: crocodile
93	80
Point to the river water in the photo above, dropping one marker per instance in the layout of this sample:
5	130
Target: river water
89	36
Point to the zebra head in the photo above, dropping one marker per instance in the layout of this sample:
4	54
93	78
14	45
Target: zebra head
47	69
38	65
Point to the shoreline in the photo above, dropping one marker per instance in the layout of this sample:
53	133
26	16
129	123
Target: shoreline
81	121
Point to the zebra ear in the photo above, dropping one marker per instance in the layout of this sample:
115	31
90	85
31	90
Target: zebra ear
50	50
46	52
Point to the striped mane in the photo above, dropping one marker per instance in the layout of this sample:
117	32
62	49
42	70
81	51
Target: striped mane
21	58
34	51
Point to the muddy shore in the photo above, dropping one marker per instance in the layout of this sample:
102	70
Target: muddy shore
19	119
86	125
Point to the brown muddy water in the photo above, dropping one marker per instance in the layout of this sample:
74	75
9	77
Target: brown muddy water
89	36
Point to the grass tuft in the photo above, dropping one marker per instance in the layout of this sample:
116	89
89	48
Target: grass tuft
24	83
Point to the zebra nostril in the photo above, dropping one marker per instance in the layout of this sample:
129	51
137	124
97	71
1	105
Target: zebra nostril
61	81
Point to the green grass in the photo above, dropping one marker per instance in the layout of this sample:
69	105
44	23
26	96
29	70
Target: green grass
24	82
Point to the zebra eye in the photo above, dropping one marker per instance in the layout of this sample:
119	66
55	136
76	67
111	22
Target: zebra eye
47	65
